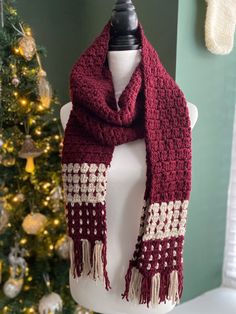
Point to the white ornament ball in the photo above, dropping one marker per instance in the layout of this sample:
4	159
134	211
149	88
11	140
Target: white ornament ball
34	223
12	287
1	142
15	81
50	303
62	247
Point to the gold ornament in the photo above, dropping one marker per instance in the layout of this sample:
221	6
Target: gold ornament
8	161
4	218
31	310
27	47
50	304
19	198
80	310
29	151
62	247
34	223
44	89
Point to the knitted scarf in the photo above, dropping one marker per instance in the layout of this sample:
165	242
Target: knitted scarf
152	107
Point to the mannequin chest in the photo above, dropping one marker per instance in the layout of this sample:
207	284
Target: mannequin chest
128	163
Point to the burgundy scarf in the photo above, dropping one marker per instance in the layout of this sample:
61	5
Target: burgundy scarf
154	108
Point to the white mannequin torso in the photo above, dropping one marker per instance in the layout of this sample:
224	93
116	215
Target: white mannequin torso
122	224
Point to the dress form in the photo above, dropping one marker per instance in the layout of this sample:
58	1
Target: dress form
128	176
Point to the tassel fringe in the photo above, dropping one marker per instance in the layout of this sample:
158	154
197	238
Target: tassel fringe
72	257
135	284
97	269
86	248
88	260
155	289
173	293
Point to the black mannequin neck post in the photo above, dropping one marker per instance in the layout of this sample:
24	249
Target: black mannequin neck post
124	27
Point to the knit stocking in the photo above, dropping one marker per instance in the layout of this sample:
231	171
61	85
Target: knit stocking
220	26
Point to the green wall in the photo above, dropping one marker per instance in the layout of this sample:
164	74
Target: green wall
66	28
209	82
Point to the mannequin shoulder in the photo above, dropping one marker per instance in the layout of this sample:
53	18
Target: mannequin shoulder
193	113
66	109
65	113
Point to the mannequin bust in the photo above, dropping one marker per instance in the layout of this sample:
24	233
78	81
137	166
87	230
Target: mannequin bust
126	175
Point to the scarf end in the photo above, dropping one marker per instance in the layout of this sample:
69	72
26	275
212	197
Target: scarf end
89	260
153	289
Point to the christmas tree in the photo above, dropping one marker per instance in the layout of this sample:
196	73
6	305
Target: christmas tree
34	249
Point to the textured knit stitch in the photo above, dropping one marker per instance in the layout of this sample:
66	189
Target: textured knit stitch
154	108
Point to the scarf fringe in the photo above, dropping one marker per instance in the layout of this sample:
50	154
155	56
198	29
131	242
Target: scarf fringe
155	289
89	260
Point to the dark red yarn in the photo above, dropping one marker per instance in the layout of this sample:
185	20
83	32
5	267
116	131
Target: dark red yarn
152	107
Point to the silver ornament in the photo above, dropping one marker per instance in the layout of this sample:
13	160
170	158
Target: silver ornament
50	303
17	262
62	247
4	218
1	141
56	196
12	287
15	81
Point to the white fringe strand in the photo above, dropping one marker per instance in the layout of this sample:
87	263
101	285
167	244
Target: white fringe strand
86	249
135	284
155	289
72	255
173	293
97	267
